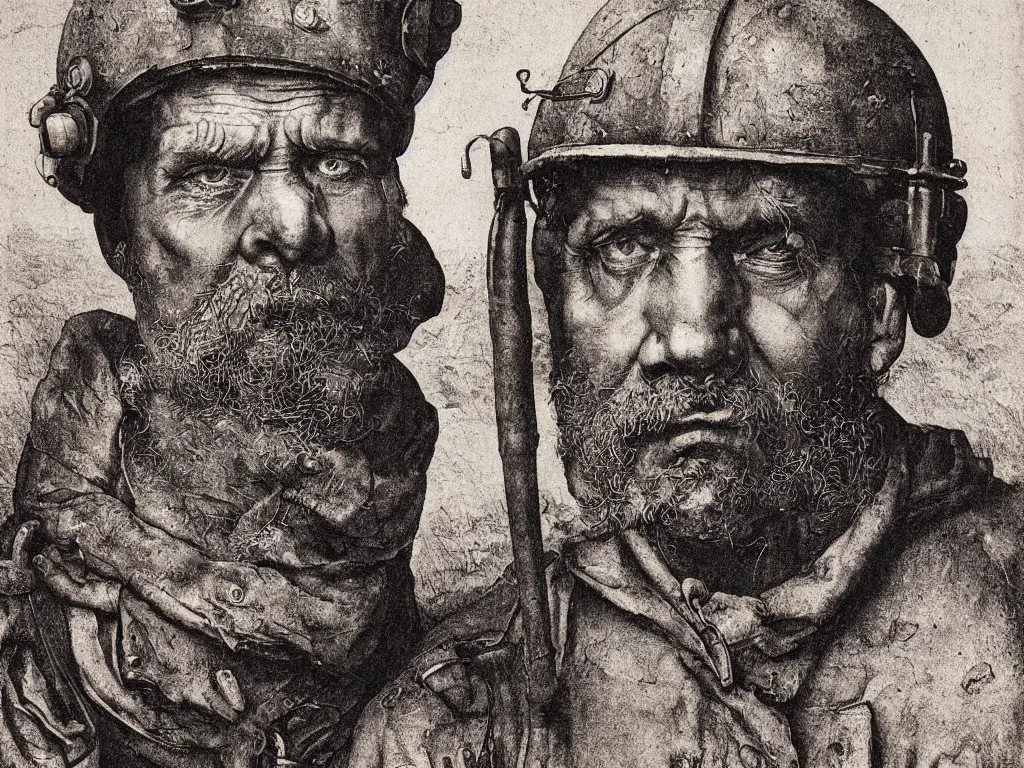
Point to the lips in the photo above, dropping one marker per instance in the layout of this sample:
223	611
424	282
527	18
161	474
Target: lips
695	435
727	438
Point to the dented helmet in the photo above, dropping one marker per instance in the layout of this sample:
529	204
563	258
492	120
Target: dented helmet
826	83
114	52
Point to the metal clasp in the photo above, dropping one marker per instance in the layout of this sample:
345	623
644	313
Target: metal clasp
16	576
594	83
695	593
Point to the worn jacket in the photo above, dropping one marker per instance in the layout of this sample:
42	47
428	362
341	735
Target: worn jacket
900	646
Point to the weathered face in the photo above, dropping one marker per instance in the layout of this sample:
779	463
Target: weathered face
278	172
274	278
271	266
712	333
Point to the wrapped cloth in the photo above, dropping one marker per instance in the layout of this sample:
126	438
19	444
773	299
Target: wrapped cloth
900	644
135	641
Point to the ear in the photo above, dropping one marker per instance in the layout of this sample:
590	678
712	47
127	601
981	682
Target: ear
888	307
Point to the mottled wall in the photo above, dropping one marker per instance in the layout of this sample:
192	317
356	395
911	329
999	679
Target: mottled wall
968	378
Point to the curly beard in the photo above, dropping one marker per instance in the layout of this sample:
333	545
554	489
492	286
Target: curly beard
811	452
294	356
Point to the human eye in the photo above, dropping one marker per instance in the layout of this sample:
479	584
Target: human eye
209	179
777	258
625	255
615	263
213	176
338	167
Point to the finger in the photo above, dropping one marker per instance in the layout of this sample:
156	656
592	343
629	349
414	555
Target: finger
96	594
72	563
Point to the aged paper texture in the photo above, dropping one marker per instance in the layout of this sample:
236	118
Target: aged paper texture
297	537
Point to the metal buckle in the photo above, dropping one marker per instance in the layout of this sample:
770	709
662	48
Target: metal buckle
694	591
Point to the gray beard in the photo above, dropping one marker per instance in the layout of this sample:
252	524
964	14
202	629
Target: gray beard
288	357
816	454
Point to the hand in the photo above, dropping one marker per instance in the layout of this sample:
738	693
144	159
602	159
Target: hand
230	601
258	609
76	588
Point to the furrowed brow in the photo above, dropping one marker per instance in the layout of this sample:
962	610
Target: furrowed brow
209	142
622	211
330	133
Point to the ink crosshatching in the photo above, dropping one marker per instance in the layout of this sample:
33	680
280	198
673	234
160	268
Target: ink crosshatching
719	281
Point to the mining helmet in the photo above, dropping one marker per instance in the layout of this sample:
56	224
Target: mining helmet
809	83
814	82
114	52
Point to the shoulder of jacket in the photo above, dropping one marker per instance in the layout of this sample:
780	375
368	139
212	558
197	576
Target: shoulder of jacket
935	642
77	408
978	544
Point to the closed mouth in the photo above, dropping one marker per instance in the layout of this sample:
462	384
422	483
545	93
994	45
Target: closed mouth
697	435
722	438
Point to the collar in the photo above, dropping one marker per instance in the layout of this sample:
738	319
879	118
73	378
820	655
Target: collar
930	474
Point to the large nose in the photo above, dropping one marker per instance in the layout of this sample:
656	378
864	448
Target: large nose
286	222
693	313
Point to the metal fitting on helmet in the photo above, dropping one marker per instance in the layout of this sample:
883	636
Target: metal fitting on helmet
67	125
116	51
815	83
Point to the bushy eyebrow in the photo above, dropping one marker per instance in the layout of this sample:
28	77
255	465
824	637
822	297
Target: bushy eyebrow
748	203
776	205
329	133
632	206
206	141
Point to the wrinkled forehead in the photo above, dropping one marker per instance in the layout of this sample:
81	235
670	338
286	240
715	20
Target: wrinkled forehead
724	195
291	106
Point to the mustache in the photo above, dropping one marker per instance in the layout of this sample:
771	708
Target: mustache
255	300
642	406
813	441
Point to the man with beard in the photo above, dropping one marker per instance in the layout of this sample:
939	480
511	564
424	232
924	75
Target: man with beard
739	205
216	502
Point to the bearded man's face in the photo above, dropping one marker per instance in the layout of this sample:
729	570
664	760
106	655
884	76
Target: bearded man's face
273	274
716	335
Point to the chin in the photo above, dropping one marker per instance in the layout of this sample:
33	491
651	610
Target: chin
691	498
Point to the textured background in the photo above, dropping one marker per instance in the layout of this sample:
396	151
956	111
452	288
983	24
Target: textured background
50	267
